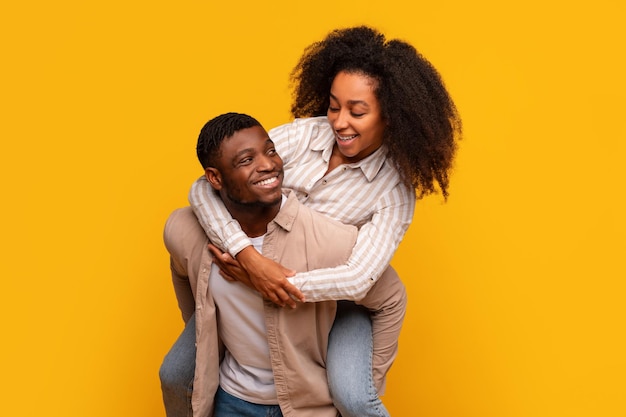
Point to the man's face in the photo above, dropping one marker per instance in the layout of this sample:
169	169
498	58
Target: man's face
249	171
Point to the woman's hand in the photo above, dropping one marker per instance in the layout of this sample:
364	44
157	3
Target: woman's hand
263	274
229	267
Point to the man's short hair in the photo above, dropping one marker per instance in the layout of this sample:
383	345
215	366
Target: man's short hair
216	130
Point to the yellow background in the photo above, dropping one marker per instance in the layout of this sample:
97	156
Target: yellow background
516	284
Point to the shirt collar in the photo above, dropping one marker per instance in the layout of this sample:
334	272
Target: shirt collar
288	211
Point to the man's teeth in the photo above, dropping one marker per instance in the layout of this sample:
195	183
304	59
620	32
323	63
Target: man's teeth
347	137
267	181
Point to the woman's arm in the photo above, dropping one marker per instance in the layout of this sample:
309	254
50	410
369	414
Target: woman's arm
267	276
376	244
223	231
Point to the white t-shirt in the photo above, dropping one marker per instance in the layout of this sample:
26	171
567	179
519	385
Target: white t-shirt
246	371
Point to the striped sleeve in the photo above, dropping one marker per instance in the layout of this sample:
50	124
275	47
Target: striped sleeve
292	140
222	230
376	244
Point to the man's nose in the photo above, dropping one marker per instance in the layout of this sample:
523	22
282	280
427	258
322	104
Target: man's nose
266	163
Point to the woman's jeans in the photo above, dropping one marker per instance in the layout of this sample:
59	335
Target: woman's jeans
177	371
349	367
349	363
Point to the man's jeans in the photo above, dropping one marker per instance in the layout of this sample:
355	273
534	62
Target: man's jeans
227	405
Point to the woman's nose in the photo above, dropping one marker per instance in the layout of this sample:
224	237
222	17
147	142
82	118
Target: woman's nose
341	120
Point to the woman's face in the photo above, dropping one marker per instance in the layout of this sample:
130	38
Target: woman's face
355	115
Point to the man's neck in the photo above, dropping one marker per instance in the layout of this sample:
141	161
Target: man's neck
253	219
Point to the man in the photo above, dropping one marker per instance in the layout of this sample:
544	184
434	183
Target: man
265	359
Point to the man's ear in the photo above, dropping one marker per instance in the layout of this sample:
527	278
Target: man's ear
214	177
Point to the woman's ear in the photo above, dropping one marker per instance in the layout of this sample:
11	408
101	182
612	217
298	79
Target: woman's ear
214	177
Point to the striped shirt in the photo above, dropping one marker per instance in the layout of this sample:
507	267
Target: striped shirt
368	194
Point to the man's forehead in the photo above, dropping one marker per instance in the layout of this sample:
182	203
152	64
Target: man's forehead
245	141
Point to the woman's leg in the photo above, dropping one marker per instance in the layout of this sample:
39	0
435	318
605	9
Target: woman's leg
349	363
386	301
177	372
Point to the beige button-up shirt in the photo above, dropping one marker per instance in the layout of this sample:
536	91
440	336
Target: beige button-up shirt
301	239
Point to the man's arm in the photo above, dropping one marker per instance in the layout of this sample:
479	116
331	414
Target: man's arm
182	289
185	241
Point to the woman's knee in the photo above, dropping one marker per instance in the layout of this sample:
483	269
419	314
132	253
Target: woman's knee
172	375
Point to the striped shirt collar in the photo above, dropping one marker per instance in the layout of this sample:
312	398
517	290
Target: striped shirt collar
370	166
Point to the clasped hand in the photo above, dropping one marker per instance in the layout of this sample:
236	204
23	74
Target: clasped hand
259	273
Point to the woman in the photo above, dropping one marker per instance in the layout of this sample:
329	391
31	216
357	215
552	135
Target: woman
375	128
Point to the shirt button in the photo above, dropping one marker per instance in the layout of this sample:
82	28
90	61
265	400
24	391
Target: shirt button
324	182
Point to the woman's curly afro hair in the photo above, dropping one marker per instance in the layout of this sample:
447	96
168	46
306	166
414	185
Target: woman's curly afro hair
423	125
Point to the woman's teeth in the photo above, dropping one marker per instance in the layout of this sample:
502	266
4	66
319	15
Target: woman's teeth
346	137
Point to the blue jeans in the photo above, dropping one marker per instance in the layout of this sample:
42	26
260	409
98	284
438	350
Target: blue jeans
177	372
349	363
227	405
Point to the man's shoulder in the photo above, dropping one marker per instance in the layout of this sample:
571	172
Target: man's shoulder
309	240
181	218
182	230
312	221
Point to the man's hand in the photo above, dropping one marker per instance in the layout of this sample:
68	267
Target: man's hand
269	278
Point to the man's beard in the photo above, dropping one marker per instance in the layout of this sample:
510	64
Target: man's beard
253	204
